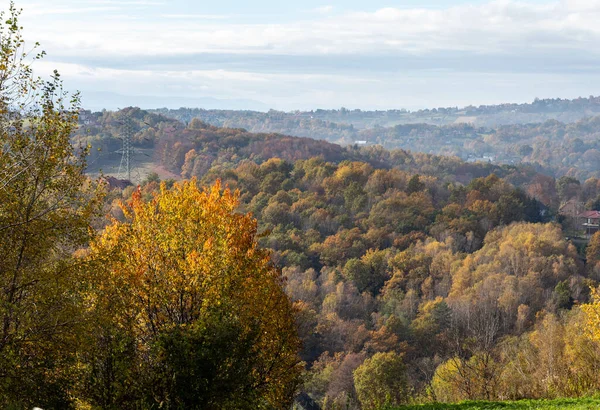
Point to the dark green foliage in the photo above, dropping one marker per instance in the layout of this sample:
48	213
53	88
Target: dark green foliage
567	187
203	366
112	371
525	150
562	296
414	185
358	272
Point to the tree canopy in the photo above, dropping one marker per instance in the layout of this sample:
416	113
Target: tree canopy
183	277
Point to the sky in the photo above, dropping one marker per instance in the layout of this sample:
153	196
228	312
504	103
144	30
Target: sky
311	54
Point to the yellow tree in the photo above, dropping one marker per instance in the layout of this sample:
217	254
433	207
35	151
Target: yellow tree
184	278
592	316
45	206
592	254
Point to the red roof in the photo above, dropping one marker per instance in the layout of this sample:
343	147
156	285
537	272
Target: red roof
590	214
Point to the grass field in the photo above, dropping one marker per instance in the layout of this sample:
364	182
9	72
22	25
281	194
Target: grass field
569	404
143	163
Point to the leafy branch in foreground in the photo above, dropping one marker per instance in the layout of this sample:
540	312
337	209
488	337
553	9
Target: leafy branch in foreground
46	203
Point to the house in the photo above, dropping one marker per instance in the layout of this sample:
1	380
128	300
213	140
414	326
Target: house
590	221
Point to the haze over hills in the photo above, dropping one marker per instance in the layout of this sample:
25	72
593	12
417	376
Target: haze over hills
540	110
99	100
523	133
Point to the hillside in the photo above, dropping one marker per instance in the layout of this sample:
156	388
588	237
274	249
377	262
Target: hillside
538	111
556	144
445	258
453	268
167	142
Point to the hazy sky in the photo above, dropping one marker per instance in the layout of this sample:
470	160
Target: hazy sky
314	54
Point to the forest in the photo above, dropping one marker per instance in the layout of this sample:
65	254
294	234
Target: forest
454	277
568	148
270	271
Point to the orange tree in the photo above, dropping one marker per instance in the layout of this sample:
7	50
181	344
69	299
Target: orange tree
184	294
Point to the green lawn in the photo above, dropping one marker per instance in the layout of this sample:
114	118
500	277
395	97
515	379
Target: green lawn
569	404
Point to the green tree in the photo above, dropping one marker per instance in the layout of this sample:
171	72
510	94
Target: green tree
381	380
562	295
415	185
567	187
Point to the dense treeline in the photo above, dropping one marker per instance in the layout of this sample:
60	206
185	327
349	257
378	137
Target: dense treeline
194	149
412	288
558	148
293	123
415	277
387	262
392	269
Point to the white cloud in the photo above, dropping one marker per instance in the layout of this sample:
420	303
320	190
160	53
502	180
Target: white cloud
293	91
324	9
196	16
504	26
74	7
67	10
502	29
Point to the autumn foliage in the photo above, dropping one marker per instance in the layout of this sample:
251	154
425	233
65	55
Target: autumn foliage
378	277
186	263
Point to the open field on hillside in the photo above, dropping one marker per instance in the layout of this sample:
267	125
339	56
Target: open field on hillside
143	164
569	404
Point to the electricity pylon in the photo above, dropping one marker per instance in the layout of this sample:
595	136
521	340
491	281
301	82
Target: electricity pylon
127	151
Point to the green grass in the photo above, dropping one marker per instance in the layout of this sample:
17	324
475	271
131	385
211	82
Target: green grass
569	404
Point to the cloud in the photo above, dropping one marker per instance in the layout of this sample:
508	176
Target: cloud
66	10
324	9
196	16
97	7
383	58
412	89
503	26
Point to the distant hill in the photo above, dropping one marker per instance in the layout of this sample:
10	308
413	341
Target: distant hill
170	147
538	111
569	147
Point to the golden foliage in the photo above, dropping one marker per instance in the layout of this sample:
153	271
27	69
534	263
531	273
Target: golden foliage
186	254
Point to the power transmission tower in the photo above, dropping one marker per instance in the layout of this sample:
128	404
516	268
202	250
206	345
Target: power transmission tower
127	151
